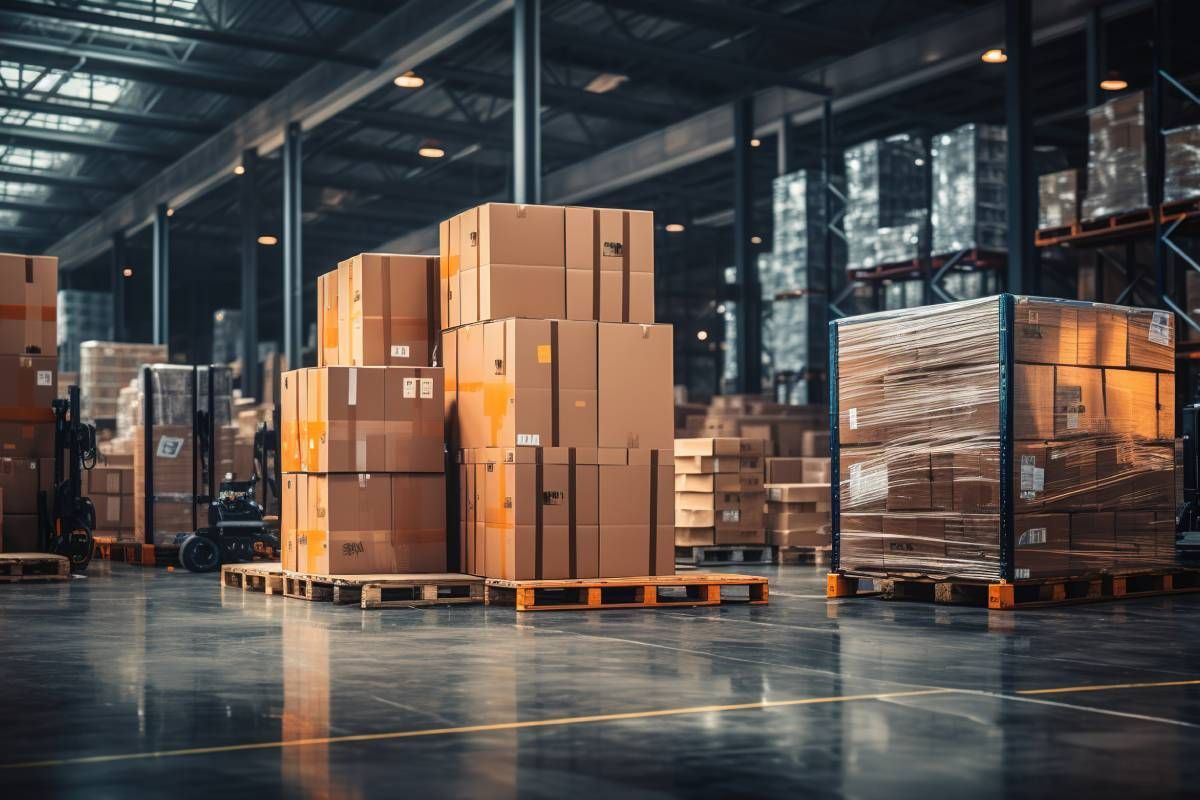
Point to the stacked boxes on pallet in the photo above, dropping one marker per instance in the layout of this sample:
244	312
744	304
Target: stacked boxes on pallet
1116	168
719	496
1007	438
558	392
788	430
105	368
110	488
361	435
28	384
798	502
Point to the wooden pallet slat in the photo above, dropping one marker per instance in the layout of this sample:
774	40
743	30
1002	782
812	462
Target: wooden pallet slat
695	589
254	577
33	567
385	591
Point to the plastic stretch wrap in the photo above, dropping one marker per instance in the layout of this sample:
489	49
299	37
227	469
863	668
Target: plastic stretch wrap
1181	181
81	316
1058	198
970	203
1091	442
1116	178
885	200
107	367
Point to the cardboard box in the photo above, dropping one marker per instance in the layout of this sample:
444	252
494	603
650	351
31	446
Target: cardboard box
1070	476
1045	332
106	480
796	520
609	264
1166	405
30	385
1151	339
706	501
1103	337
1116	470
448	267
1033	394
343	424
797	470
1078	402
708	465
743	536
694	537
26	439
861	541
327	319
709	447
292	499
863	483
19	484
1131	402
414	428
914	543
635	379
1043	545
113	510
289	419
813	444
418	534
909	479
637	516
861	408
817	537
29	286
392	312
1029	479
723	482
19	533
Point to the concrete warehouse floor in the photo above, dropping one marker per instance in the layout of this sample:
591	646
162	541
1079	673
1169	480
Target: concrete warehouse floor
142	682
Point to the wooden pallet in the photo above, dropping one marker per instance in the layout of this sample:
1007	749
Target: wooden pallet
145	555
582	594
261	576
1035	593
724	555
805	555
30	567
385	591
1044	237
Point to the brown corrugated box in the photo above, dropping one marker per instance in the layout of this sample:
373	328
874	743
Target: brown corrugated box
635	366
113	510
448	267
1166	405
19	481
1033	394
29	309
29	386
392	309
1103	336
26	439
342	420
707	465
1042	545
637	535
706	482
1078	402
413	424
1131	402
861	541
327	319
292	497
290	420
797	470
1070	478
909	479
1045	333
1152	339
863	483
709	447
914	543
609	264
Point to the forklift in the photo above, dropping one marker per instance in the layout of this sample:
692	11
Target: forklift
237	528
68	519
1187	519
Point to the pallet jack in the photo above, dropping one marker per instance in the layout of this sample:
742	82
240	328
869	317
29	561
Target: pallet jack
236	529
69	518
1187	519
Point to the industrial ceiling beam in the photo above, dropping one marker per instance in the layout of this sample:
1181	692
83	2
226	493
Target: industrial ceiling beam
62	181
118	63
59	141
33	207
495	132
227	38
141	119
403	40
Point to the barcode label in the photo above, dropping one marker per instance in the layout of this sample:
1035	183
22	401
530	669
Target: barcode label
410	388
399	351
853	413
45	377
426	388
529	440
1160	328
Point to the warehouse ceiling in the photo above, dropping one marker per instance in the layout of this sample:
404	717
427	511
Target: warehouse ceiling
97	97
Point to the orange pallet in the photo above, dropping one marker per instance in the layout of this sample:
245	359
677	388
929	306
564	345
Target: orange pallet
655	591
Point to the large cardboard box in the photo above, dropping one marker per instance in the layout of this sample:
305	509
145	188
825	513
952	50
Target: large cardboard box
1103	336
635	366
909	479
1151	339
28	387
290	420
29	305
414	429
1131	402
1045	333
914	543
113	511
27	439
861	541
609	264
392	309
863	483
1078	402
637	533
419	522
1070	477
19	483
343	424
1033	393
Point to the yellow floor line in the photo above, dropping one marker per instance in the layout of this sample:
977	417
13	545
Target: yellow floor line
1107	687
500	726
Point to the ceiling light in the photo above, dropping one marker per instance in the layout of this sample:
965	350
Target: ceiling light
605	82
994	56
702	335
429	151
239	170
1114	84
721	308
409	80
756	142
268	240
673	227
755	240
170	212
127	272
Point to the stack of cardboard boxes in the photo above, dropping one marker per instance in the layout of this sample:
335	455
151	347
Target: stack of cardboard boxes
1092	439
719	497
107	367
558	392
788	430
361	435
798	502
110	487
28	384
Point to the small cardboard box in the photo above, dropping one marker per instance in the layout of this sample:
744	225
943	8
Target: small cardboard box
609	264
724	482
1042	545
635	377
392	309
29	288
414	428
448	267
30	384
512	262
1151	339
708	447
290	422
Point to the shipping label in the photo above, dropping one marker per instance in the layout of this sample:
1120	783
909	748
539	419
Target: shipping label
45	377
853	414
1033	536
1160	328
352	390
410	388
731	515
169	447
400	351
529	440
426	390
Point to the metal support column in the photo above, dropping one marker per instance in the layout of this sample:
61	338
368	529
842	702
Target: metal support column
293	273
161	276
749	292
785	159
248	209
1096	59
118	286
1022	196
527	102
1155	166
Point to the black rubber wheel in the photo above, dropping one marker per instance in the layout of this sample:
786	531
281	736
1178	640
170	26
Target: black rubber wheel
199	554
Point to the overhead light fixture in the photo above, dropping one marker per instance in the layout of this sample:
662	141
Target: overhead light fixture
1114	83
605	82
430	151
409	80
756	142
721	308
702	335
170	212
994	56
268	240
673	227
127	272
239	170
756	240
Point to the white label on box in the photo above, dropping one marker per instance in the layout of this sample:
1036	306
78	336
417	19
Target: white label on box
1160	328
45	377
169	447
426	388
1021	572
777	494
1072	419
853	414
1033	477
1033	536
352	398
731	515
399	351
529	439
360	455
410	388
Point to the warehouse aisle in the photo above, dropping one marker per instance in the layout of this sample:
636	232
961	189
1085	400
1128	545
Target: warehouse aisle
858	698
